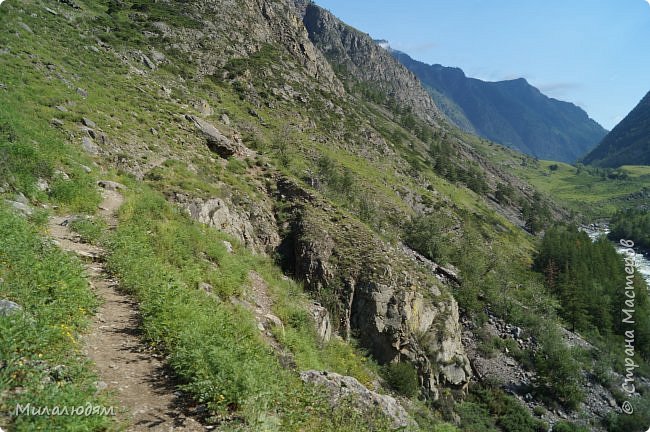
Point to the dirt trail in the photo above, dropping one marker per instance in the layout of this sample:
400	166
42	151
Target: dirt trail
139	380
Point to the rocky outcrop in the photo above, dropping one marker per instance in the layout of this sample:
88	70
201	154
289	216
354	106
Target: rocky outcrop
226	29
252	223
366	61
395	309
218	142
340	387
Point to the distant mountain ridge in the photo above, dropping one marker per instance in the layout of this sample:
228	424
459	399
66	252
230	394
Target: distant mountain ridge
513	113
628	143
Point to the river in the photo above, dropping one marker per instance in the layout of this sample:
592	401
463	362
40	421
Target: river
642	261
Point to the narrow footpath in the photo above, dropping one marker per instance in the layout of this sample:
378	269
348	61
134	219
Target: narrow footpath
136	375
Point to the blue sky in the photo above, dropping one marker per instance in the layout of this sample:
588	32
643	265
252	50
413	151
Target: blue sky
594	53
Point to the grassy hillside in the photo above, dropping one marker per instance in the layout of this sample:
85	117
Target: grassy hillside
592	193
328	169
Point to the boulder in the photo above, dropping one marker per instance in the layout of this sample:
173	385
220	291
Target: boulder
42	185
204	286
22	208
25	27
340	387
147	62
88	123
218	142
8	307
323	323
89	146
203	107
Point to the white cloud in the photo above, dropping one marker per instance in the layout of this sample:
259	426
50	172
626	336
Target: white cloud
647	1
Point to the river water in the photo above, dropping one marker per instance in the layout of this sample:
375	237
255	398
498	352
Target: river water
642	261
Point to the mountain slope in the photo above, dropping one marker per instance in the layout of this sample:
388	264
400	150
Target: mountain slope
278	193
355	52
628	143
512	113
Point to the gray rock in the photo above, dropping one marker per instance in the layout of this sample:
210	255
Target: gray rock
203	107
157	56
454	374
91	132
273	320
70	3
56	122
340	387
61	108
24	209
81	92
228	246
225	119
8	307
21	198
42	185
218	142
52	11
254	226
323	322
25	27
111	185
395	309
62	175
148	63
86	169
161	27
87	122
89	146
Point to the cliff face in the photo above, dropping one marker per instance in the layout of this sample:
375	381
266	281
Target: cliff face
397	310
360	57
227	29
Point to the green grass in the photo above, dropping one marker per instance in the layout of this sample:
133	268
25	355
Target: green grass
91	230
40	356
